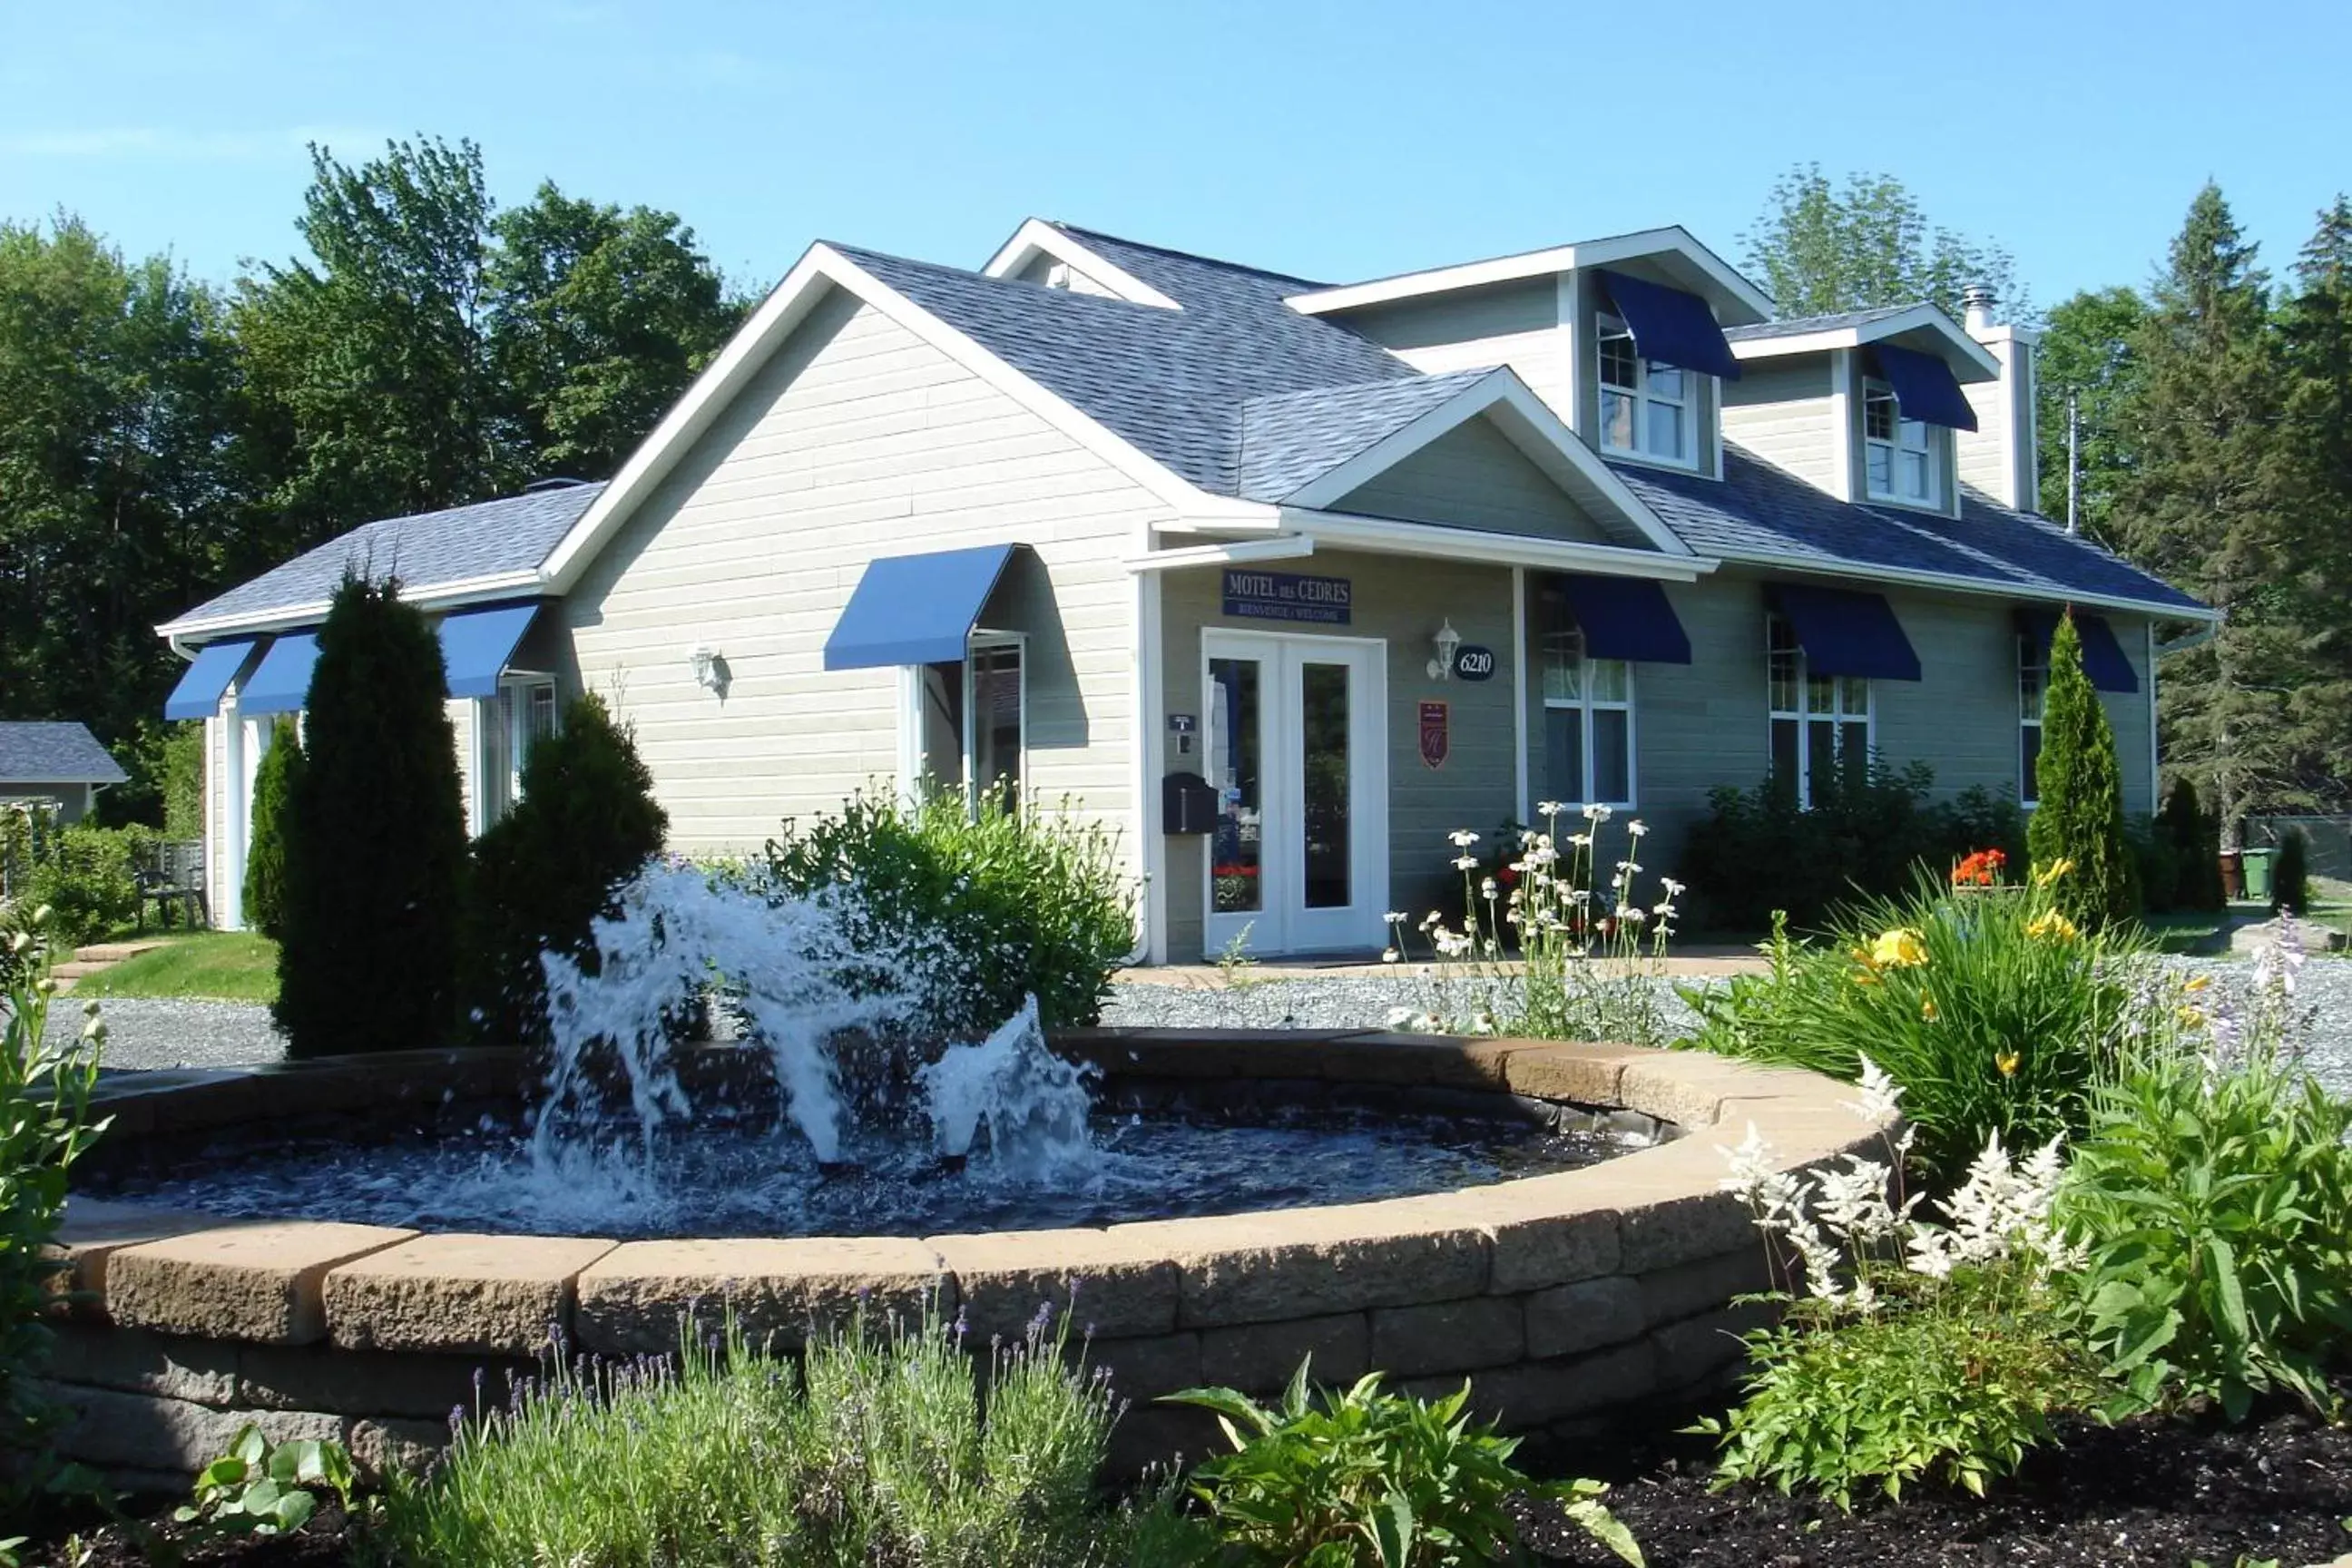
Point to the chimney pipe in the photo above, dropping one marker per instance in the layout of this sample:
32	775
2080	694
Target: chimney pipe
1977	301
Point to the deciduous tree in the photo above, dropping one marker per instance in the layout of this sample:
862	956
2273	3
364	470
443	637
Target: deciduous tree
1819	247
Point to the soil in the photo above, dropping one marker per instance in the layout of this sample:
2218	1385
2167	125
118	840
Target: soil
2147	1492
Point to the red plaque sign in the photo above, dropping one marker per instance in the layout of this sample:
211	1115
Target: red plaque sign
1434	741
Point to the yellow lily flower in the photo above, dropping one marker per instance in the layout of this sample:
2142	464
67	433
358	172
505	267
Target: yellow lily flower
2197	983
1926	1010
2051	872
2006	1062
1899	949
2052	926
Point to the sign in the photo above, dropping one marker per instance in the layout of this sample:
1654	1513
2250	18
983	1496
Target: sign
1435	742
1286	596
1472	662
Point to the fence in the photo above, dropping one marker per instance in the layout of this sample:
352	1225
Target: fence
2328	840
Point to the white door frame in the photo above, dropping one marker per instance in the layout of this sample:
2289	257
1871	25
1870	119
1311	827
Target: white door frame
1282	923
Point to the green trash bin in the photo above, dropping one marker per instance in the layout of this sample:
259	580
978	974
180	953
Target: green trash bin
2258	875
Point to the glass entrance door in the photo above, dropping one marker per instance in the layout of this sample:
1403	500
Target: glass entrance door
1297	752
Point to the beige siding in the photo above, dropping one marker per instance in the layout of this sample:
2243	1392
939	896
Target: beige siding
858	439
1397	600
1784	413
1997	457
1517	324
1473	477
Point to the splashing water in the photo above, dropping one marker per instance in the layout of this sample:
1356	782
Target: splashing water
1032	1103
784	965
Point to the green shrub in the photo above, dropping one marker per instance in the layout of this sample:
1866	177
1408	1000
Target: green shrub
1012	904
879	1451
88	880
1869	830
1335	1479
2291	874
46	1125
374	839
274	783
587	821
184	782
2195	835
2079	817
2214	1201
1994	1012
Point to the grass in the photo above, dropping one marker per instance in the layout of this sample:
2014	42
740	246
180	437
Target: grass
226	965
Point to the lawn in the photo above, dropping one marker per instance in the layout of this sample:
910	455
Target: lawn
228	965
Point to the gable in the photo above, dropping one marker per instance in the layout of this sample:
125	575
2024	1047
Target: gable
1475	476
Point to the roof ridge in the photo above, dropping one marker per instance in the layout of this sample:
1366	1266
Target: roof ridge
1080	232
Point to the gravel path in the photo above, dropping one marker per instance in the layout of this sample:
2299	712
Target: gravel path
168	1034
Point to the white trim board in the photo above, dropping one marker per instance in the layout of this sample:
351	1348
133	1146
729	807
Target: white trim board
449	595
1961	352
1382	535
1737	301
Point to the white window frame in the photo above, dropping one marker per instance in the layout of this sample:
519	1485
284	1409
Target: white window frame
507	715
912	720
1585	705
1642	394
1840	712
1929	449
2032	692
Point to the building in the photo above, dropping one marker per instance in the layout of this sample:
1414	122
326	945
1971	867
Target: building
58	763
1284	579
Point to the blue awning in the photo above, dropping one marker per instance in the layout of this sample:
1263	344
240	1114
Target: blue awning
1924	387
916	609
476	645
282	683
1625	617
1847	633
1670	325
201	684
2103	654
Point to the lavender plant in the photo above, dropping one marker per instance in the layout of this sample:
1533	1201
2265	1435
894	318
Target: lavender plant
1548	948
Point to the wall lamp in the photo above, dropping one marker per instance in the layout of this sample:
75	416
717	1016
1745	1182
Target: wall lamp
1446	642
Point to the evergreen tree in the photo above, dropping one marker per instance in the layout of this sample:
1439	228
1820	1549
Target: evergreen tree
2080	817
374	839
2316	344
274	783
2196	838
2088	352
587	821
2200	507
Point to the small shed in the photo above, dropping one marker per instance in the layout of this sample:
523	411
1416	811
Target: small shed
56	761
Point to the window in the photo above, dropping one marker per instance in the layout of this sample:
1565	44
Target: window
506	728
1901	453
1819	722
1587	724
969	721
1645	406
2032	685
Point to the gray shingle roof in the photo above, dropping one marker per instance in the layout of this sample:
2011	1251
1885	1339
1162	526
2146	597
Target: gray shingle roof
1796	326
1172	382
55	752
1759	509
511	534
1290	439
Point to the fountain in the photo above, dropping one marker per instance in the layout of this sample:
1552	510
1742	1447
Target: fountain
350	1240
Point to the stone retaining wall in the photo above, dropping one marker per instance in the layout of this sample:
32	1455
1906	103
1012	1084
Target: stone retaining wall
1564	1298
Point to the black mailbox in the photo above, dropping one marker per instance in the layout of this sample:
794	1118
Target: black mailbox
1187	805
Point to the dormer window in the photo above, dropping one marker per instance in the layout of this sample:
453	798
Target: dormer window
1644	403
1899	453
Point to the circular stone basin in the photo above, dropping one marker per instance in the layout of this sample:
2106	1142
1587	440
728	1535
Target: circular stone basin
1153	1160
1572	1295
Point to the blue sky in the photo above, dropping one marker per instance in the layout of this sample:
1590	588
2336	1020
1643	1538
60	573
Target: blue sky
1334	140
